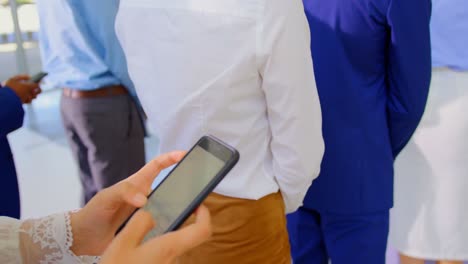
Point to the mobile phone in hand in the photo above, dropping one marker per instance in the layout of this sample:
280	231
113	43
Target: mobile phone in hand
188	184
37	78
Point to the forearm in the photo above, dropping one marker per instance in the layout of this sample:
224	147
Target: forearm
409	68
297	143
401	130
49	240
293	105
9	240
297	154
407	101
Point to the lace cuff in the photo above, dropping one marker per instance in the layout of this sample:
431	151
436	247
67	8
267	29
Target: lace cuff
48	241
9	240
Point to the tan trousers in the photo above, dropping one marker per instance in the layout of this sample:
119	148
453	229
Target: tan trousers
244	231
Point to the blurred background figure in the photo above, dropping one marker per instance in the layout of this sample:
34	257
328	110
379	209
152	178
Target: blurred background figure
16	92
429	221
82	55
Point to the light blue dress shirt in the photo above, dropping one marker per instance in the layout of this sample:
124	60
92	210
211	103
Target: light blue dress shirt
79	46
449	29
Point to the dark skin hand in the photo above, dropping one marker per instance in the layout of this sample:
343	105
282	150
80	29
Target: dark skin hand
25	90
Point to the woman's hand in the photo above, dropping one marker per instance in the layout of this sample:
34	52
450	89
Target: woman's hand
95	225
127	247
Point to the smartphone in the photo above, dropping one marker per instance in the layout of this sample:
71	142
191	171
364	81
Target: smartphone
37	78
188	184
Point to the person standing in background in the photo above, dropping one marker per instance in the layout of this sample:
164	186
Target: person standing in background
241	71
429	220
82	55
372	64
16	92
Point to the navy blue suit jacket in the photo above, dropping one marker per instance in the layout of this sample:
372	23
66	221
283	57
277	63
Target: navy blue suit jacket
372	62
11	118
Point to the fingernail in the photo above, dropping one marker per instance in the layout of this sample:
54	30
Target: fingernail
139	198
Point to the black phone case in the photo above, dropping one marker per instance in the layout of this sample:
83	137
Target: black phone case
38	77
205	192
209	188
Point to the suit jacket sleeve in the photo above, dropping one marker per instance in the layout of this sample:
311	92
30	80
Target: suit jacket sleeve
409	69
11	111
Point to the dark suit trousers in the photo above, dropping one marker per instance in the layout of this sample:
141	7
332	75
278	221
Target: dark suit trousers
106	136
317	237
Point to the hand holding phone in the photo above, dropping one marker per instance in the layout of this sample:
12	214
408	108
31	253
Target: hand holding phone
127	246
23	88
188	184
94	226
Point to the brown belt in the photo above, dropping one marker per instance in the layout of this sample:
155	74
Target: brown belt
106	91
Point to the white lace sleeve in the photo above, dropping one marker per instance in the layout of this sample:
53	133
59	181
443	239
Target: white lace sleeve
45	241
9	240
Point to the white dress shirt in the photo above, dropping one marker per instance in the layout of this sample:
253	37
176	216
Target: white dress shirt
239	70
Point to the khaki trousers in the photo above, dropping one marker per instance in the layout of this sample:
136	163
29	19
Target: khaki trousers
244	231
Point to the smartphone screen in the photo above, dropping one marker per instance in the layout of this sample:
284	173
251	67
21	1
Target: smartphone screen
188	184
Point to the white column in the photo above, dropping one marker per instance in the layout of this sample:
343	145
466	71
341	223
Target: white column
20	52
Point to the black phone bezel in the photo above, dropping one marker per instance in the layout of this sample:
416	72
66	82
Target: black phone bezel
219	149
37	78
